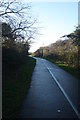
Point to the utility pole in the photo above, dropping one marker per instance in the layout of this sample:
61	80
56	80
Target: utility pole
43	50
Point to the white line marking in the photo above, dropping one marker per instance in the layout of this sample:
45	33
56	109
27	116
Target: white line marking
65	94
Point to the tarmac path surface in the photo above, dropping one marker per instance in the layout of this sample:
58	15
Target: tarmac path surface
53	93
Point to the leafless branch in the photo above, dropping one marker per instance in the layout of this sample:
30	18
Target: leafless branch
14	14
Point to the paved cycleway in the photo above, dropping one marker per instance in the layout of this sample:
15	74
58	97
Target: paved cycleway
53	93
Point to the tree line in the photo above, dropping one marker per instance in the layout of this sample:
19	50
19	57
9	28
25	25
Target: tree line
18	29
66	51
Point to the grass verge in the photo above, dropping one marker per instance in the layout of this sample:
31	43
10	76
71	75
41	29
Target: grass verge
15	85
74	71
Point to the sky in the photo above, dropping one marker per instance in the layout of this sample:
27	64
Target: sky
56	19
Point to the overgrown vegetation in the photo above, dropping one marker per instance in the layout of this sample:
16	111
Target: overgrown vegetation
16	81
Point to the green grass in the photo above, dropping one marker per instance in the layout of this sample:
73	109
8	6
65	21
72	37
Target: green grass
71	70
74	71
14	88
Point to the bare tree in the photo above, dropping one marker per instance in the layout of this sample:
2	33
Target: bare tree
76	37
19	18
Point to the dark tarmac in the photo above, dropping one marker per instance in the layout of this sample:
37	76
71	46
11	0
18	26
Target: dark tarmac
53	93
